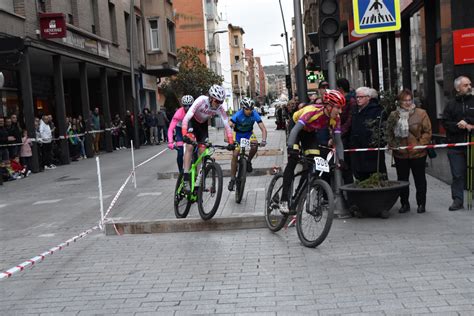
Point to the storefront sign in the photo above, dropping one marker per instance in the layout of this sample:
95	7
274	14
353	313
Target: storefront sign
463	42
353	35
52	25
148	82
374	16
86	44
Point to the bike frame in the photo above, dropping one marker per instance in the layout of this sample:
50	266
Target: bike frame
193	172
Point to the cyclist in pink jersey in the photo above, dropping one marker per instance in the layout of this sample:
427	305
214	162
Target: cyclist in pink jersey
175	128
196	119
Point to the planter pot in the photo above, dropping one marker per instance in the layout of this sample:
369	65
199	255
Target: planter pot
373	202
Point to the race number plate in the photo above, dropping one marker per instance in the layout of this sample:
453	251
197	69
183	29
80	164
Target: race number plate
320	164
245	143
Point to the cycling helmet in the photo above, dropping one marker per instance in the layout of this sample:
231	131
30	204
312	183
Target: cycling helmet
217	92
334	98
187	100
247	103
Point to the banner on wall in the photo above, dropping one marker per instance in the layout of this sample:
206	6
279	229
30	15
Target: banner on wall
463	45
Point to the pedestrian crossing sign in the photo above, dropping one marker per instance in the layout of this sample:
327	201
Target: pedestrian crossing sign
373	16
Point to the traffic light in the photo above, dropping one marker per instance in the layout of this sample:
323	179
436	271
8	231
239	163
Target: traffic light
329	18
311	77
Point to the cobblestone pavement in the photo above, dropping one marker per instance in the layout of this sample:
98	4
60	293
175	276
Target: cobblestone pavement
408	264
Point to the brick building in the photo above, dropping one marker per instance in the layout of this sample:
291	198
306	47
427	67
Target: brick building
89	67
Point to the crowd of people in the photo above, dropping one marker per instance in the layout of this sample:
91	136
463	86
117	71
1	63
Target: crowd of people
363	119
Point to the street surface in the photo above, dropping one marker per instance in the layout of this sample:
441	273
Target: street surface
408	264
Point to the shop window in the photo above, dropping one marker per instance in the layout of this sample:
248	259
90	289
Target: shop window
154	34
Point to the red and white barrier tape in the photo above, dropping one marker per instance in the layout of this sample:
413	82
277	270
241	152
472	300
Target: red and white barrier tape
39	140
8	273
411	147
39	258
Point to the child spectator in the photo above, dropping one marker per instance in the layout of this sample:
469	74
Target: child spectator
25	151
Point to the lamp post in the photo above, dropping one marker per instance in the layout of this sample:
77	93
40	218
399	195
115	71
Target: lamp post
214	38
290	93
282	50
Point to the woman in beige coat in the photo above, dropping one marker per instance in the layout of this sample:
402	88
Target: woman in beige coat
410	126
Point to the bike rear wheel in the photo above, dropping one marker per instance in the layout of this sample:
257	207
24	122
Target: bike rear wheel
274	219
314	217
210	190
240	181
181	203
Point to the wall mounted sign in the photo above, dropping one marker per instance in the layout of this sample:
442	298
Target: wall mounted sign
52	25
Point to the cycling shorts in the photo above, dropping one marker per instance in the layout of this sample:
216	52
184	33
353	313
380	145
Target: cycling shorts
309	143
200	130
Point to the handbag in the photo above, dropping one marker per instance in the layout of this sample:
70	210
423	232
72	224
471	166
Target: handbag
431	153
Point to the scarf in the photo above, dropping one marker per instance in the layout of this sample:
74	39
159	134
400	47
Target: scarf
401	129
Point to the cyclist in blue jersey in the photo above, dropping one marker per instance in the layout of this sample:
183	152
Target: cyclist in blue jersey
242	122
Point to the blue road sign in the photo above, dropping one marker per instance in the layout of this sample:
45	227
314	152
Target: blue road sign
373	16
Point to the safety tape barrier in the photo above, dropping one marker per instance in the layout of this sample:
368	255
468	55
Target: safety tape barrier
413	147
41	257
8	273
40	140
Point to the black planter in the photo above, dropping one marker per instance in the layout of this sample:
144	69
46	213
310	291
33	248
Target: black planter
373	202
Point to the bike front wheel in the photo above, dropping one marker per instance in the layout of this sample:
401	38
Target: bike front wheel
315	213
240	181
274	219
210	190
181	203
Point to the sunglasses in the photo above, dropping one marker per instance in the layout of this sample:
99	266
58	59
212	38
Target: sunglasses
217	101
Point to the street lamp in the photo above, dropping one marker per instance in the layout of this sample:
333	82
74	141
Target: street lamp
282	50
290	93
214	38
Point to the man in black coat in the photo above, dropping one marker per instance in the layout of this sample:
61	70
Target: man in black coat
367	112
458	120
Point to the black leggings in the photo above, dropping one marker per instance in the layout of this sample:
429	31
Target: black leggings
417	166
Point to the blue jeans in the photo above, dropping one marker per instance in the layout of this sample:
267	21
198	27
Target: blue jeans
457	162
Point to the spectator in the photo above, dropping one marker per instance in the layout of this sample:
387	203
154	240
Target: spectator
162	122
343	86
409	126
45	140
15	131
368	110
25	152
4	153
153	128
129	126
95	126
74	143
458	120
116	124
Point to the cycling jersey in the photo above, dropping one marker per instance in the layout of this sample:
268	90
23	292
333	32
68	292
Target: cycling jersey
201	111
244	123
313	118
176	122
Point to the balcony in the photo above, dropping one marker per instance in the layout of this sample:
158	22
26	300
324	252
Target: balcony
238	67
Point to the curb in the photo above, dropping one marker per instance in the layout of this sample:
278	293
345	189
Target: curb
185	225
225	173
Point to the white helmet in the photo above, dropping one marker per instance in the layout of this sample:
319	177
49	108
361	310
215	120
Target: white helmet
187	100
217	92
247	103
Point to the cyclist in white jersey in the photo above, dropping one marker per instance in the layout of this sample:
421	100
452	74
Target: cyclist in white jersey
196	119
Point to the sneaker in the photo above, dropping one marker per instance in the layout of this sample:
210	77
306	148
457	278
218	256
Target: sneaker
48	167
187	186
249	166
404	209
28	173
456	206
53	166
231	185
284	208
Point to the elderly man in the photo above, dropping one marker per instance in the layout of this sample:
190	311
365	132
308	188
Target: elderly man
368	110
458	120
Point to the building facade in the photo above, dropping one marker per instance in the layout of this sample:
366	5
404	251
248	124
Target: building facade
89	66
262	85
197	25
238	63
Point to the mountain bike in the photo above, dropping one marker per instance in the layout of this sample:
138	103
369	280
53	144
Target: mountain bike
206	185
313	202
241	177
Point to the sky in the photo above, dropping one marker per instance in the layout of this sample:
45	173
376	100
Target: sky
262	24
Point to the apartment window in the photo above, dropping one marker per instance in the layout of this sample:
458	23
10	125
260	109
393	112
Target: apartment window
236	57
41	5
95	17
127	28
154	34
113	22
171	37
70	18
236	79
236	40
